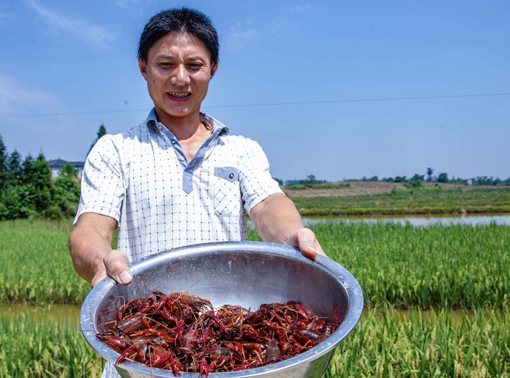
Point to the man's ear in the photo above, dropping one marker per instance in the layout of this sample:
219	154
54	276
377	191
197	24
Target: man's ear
214	68
143	67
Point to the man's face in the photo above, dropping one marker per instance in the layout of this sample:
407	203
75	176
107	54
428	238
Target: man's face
177	71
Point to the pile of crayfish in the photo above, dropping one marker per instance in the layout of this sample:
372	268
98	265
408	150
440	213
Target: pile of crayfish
182	332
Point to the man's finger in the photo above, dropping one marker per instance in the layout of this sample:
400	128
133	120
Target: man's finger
319	249
116	264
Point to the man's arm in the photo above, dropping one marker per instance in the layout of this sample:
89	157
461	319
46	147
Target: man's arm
278	221
91	251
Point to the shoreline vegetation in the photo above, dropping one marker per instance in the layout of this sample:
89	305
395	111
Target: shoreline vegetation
397	200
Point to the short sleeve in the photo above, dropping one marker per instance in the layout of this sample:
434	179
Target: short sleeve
255	180
102	184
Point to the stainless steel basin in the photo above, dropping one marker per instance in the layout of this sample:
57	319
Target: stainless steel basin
242	273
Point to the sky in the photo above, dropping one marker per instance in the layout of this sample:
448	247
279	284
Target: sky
337	89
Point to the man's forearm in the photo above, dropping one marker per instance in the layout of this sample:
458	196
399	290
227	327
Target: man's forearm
276	218
88	248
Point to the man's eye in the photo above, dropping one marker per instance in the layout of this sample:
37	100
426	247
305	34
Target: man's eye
166	65
194	66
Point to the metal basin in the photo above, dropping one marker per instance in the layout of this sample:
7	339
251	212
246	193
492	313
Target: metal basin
241	273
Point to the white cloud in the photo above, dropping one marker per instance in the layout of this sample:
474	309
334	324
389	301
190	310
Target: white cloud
239	36
130	3
92	34
300	8
17	99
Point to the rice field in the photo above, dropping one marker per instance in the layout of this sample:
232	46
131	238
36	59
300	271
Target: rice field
409	201
428	272
45	348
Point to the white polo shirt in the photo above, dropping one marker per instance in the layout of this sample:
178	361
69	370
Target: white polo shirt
161	201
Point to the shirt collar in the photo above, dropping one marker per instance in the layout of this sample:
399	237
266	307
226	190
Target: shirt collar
218	127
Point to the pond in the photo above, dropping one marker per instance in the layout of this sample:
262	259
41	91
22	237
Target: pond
415	220
422	221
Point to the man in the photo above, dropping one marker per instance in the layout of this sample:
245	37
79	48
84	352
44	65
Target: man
178	178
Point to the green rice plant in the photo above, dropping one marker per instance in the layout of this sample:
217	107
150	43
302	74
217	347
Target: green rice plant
457	266
425	344
438	266
45	348
39	268
385	343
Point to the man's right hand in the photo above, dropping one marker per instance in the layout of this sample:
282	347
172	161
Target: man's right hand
115	265
90	245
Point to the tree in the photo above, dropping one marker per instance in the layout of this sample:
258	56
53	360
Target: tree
14	170
3	164
417	177
443	177
101	132
310	179
41	172
27	168
430	172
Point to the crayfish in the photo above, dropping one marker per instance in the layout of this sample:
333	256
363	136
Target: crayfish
183	333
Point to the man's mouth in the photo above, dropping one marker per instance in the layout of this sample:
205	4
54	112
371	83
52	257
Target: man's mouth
179	95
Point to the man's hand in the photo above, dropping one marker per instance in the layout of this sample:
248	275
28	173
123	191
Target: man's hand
91	251
115	265
304	239
277	220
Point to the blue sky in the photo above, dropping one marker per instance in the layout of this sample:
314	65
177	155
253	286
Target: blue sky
78	59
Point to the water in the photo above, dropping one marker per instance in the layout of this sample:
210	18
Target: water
417	220
422	221
71	313
54	312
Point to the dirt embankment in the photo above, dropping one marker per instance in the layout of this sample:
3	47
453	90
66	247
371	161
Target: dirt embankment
367	188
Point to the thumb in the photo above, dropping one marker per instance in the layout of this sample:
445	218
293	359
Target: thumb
116	263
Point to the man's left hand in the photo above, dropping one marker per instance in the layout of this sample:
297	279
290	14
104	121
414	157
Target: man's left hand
304	239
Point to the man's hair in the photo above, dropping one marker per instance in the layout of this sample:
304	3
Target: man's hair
179	20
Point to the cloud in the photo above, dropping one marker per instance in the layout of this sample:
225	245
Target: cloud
17	99
124	4
300	8
94	35
239	36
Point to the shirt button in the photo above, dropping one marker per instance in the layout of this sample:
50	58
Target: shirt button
231	175
173	141
181	158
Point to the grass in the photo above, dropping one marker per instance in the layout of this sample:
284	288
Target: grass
426	200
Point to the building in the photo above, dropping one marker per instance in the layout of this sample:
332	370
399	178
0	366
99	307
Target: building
56	164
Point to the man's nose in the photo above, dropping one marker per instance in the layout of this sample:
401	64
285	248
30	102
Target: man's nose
181	76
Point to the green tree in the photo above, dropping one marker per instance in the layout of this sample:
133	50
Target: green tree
27	168
310	179
443	177
279	181
66	194
101	132
14	170
3	164
430	172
